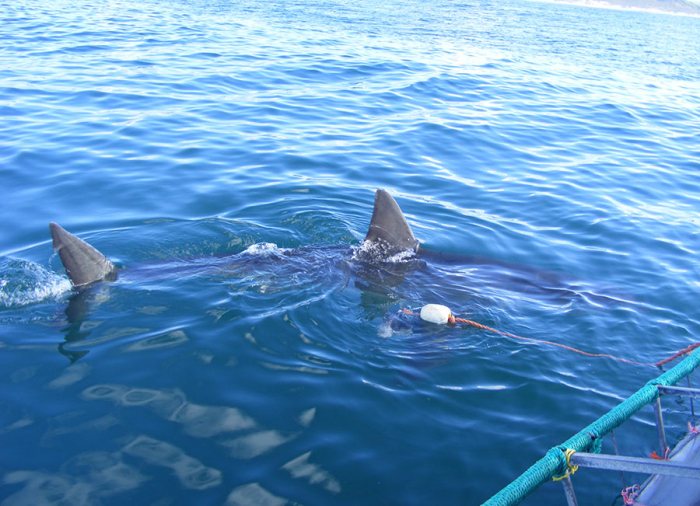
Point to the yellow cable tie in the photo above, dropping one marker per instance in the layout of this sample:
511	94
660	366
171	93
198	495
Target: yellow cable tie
570	469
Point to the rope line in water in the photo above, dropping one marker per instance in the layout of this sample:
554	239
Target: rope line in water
680	353
550	343
453	320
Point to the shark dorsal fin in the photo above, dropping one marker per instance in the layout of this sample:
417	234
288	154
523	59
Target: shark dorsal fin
83	263
388	227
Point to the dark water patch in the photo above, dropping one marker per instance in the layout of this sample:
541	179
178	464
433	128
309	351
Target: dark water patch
138	63
9	111
449	88
79	49
113	99
227	84
206	55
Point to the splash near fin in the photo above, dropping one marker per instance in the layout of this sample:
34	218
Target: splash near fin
388	228
83	263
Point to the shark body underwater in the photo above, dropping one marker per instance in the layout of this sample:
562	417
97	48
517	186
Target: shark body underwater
285	278
389	257
388	253
389	235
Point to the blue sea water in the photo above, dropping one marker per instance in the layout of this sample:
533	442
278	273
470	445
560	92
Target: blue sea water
225	155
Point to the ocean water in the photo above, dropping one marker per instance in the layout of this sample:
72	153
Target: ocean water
225	156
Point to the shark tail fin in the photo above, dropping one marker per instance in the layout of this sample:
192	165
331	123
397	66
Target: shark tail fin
388	227
83	263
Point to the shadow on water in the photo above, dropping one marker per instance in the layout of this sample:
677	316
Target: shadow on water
77	312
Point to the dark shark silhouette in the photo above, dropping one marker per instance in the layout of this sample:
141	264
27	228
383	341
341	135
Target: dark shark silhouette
389	257
389	234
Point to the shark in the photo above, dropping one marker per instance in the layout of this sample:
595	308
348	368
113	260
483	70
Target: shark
389	257
389	235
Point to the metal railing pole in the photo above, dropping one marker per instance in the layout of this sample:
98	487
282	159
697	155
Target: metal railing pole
569	491
660	427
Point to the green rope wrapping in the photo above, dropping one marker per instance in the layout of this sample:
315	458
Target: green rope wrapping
590	438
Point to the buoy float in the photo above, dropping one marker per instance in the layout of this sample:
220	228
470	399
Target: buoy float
436	313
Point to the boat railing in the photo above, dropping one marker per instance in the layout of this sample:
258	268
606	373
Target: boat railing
584	448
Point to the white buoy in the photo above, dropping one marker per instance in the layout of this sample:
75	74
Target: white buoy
435	313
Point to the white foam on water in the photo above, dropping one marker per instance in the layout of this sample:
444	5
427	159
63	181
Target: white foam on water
23	282
385	330
376	251
264	249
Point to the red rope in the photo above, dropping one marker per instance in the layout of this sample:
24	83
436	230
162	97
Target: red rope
629	495
677	354
550	343
452	320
